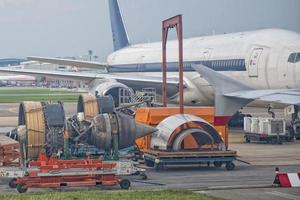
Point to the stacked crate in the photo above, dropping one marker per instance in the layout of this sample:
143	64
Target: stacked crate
9	151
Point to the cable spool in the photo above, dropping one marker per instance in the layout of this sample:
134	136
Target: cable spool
92	105
174	130
44	126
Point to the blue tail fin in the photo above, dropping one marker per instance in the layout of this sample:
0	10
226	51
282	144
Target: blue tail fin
120	37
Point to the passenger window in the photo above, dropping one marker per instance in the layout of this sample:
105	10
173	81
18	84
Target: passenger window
298	57
292	58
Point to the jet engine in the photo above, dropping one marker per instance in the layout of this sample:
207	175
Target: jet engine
110	87
41	127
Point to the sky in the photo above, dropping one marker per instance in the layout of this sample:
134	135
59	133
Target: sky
61	28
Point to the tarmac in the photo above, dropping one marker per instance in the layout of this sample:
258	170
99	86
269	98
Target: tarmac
252	181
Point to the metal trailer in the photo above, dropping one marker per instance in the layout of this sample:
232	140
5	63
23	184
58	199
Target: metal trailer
55	173
161	159
272	139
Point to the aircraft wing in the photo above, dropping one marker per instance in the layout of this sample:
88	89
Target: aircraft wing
48	73
284	96
131	80
70	62
231	94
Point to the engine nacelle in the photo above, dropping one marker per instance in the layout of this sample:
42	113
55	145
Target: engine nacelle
110	87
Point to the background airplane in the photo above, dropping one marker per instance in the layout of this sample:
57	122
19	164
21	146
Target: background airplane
263	59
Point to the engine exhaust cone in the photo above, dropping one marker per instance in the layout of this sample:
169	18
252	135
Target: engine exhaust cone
143	130
105	126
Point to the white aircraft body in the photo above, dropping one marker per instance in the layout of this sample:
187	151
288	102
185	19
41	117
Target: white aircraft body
264	60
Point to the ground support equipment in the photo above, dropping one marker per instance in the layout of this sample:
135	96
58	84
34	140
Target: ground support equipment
162	159
55	173
272	139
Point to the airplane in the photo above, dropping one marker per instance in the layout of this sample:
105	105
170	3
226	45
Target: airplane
259	65
6	80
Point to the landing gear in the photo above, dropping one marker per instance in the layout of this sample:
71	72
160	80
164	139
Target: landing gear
237	120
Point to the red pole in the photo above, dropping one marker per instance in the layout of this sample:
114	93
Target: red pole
166	25
164	66
180	47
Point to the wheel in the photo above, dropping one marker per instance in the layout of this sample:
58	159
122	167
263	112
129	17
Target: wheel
144	176
218	164
125	184
22	188
290	139
149	163
158	166
247	140
230	166
273	141
13	183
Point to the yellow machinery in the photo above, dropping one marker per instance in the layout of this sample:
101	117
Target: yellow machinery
153	116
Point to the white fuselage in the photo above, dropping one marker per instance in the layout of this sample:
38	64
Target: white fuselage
257	58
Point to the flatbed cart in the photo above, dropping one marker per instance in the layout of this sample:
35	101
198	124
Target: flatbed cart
161	159
55	174
271	139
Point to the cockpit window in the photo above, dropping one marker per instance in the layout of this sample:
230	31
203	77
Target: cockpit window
294	57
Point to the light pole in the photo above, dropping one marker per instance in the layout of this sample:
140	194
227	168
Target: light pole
90	54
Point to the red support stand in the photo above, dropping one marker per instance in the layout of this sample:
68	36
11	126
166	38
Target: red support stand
166	25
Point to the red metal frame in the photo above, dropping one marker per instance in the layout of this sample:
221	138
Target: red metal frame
166	25
56	180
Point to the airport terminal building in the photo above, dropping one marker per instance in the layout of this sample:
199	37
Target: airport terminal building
5	62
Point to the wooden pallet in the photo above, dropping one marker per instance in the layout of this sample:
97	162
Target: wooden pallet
9	151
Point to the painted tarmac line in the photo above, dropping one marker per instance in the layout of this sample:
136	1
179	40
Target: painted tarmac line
284	195
234	187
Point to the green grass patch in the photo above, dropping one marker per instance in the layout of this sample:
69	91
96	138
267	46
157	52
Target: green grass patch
17	95
111	195
33	90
